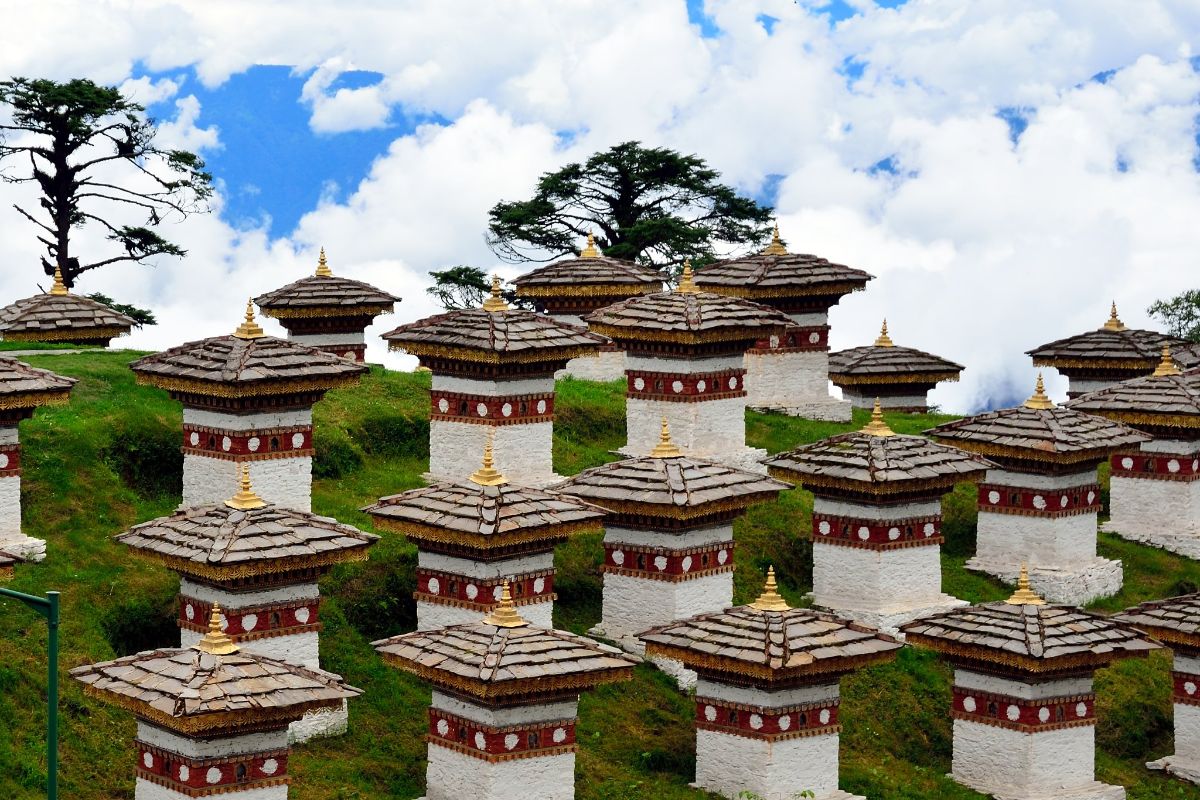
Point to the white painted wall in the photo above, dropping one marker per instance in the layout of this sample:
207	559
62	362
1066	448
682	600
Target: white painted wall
714	429
730	764
1154	511
1044	690
838	508
485	570
744	695
880	581
1010	763
699	537
502	717
453	383
522	452
865	397
1051	542
145	790
632	605
327	339
1030	480
607	365
794	383
690	366
454	776
293	418
285	482
10	508
236	600
211	748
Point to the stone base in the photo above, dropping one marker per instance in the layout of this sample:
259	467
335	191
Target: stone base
606	366
1182	543
838	795
1093	791
1079	586
826	410
320	725
1178	767
889	620
24	547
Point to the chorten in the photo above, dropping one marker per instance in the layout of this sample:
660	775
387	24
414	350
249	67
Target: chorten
788	370
571	288
59	316
1175	622
473	536
1154	492
877	519
260	562
668	539
767	698
247	399
683	361
899	377
493	377
211	718
22	390
505	703
1024	708
1039	504
328	312
1100	358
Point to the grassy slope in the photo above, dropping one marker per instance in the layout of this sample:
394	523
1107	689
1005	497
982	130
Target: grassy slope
83	461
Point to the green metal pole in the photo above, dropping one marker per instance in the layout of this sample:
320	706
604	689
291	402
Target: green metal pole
52	619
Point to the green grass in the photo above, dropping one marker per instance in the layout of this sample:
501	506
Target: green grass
111	459
7	346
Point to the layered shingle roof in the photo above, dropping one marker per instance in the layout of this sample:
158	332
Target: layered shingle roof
1163	403
777	273
885	363
23	386
325	294
590	273
1111	345
1174	621
59	316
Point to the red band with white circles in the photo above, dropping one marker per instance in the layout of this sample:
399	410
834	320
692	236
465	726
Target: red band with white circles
481	409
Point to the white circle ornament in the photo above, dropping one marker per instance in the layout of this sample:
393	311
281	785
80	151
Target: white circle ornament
1062	501
496	592
660	563
435	586
249	621
194	439
864	533
686	563
733	382
710	713
677	386
472	591
224	622
510	741
893	534
481	409
755	721
993	497
539	585
785	722
1091	498
443	727
302	615
814	337
1189	687
1039	502
701	385
559	735
969	704
480	740
824	717
1172	466
1196	465
823	527
184	772
213	775
226	443
297	440
1127	462
774	342
1081	710
1013	713
506	409
541	406
189	611
928	530
639	384
443	405
1044	714
618	557
270	766
254	443
148	760
722	556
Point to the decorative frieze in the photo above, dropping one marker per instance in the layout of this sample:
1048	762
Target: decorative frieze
685	387
482	594
1024	714
767	723
483	409
1156	466
500	743
794	339
658	563
244	623
1003	499
204	777
252	445
872	534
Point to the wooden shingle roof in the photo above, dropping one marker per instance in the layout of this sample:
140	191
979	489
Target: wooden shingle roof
1174	621
61	317
23	386
590	275
775	272
329	293
1111	345
875	364
511	335
1157	402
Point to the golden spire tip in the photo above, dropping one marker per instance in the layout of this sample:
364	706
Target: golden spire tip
245	498
877	427
216	642
687	283
1039	399
504	614
775	248
884	340
488	475
1024	596
770	599
1167	365
323	270
59	288
496	301
591	251
665	447
1114	322
249	329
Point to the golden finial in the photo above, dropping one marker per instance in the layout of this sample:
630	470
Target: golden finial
1039	399
496	301
687	284
488	475
770	599
323	270
245	498
884	340
1114	322
216	642
590	251
249	329
59	288
877	427
775	248
1167	365
504	614
1024	596
665	447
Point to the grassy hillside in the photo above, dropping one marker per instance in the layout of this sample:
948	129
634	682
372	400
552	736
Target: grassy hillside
111	459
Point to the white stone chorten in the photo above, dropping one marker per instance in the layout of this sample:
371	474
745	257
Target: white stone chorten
1023	705
767	700
204	728
1038	506
505	703
247	399
475	535
877	520
493	379
900	378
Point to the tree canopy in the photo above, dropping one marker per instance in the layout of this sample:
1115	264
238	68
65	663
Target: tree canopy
66	138
1181	314
466	287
